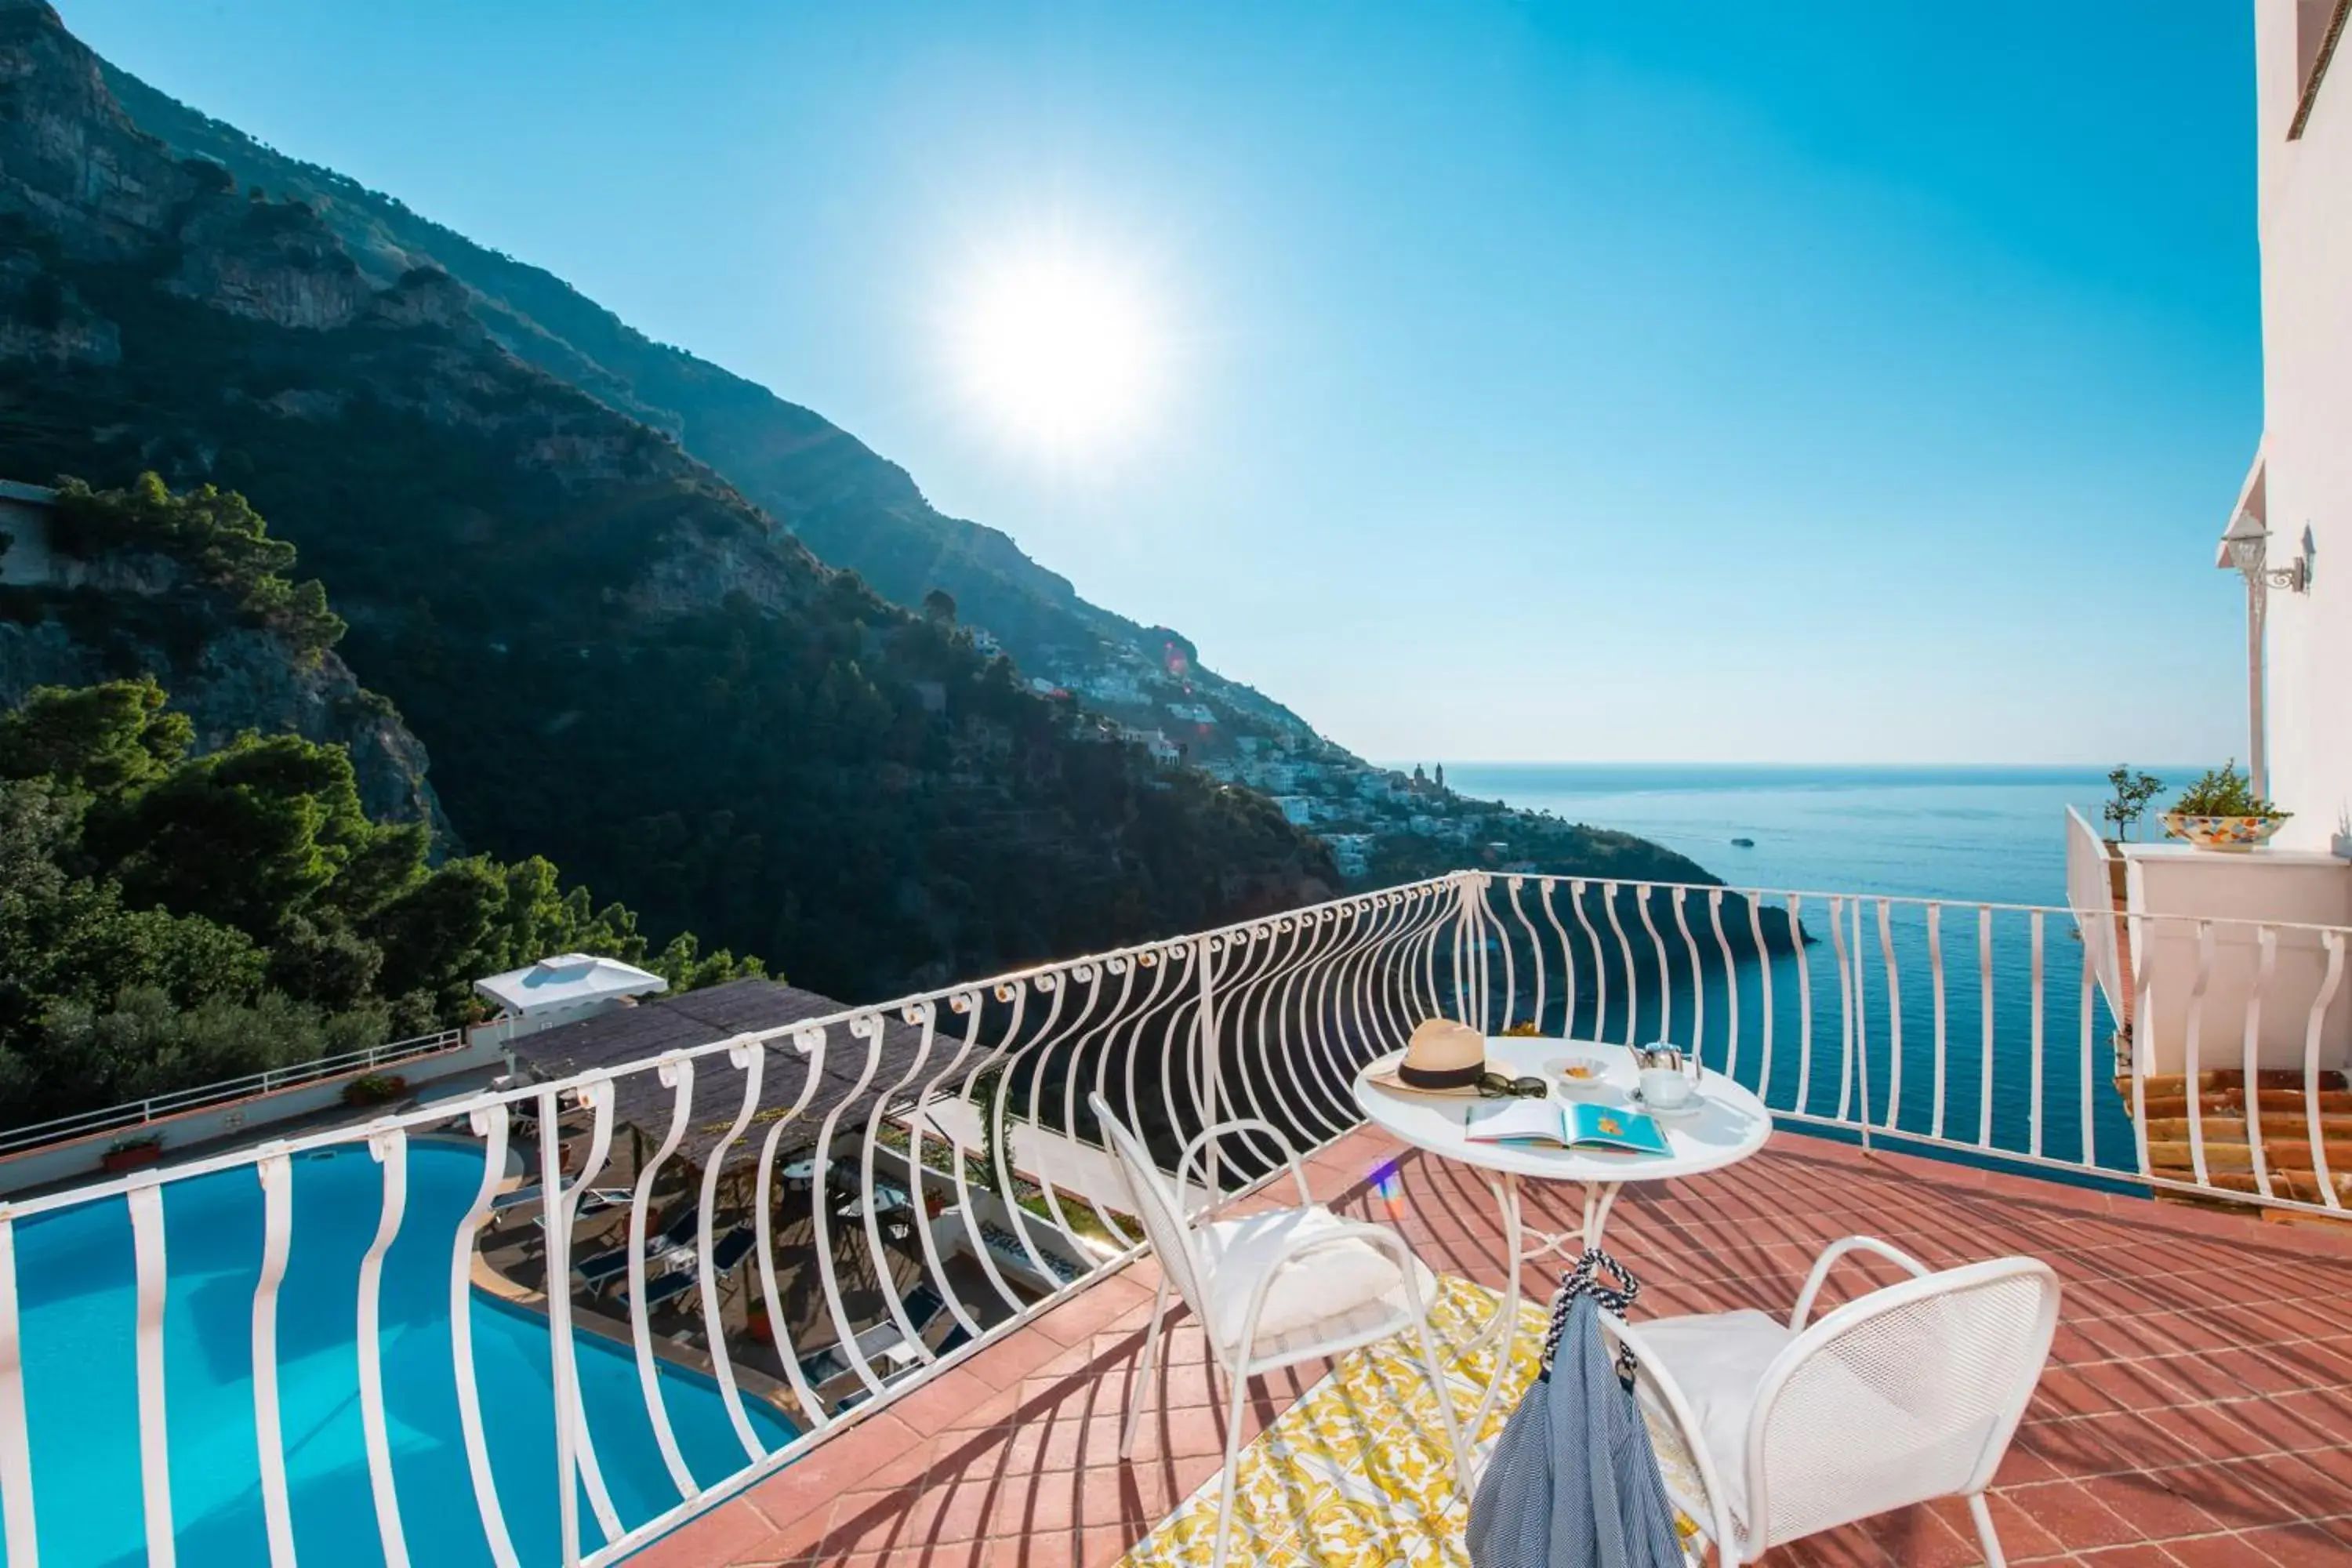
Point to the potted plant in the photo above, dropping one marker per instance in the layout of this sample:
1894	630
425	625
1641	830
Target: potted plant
756	1327
2221	810
131	1153
374	1089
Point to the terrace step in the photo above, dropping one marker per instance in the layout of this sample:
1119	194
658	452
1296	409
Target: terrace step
2230	1125
2282	1103
2228	1101
2222	1154
2176	1084
2233	1078
2301	1185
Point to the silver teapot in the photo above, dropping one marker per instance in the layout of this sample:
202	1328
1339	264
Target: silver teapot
1660	1055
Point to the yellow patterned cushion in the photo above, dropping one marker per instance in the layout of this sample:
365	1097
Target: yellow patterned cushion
1358	1470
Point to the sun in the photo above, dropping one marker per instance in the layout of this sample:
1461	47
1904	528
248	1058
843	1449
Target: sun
1059	348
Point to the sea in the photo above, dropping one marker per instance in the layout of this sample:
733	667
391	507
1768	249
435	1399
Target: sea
1979	834
1957	937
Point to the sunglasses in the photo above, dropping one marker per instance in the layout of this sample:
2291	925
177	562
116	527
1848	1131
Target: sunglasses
1495	1086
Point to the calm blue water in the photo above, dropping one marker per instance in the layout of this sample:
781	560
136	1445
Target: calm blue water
2028	1072
75	1273
1992	834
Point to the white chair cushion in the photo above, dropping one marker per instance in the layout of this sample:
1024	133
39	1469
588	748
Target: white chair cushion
1719	1360
1345	1288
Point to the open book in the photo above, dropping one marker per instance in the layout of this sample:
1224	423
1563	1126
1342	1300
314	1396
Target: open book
1572	1125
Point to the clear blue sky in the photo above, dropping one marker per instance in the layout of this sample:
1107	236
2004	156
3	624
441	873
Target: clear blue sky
1829	382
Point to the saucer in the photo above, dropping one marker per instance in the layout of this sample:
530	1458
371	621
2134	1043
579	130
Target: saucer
1691	1107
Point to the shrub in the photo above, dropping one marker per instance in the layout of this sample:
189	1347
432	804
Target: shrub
376	1089
2226	791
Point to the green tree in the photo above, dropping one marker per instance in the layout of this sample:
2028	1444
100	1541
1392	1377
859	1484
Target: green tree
246	835
330	965
2133	792
101	740
687	968
64	937
215	534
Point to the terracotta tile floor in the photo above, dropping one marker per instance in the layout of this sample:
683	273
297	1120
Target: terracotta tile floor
2198	1408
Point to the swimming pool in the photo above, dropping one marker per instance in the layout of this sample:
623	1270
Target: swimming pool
75	1279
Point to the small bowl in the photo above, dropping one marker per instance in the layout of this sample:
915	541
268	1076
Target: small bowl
1579	1074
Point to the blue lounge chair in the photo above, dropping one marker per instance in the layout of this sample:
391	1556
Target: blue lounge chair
731	1250
922	1305
595	1201
601	1269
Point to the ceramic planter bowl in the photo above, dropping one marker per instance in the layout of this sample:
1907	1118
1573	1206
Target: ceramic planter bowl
2221	832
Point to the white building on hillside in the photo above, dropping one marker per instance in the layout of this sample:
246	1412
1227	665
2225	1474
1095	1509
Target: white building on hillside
1113	686
1274	778
24	519
1351	853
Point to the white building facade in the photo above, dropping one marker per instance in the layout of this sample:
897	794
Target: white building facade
2190	967
2299	489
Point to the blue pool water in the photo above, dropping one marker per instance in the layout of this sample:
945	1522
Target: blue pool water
75	1275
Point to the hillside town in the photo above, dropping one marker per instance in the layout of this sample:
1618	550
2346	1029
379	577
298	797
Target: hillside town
1381	823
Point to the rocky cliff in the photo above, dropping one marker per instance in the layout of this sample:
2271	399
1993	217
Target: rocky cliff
126	615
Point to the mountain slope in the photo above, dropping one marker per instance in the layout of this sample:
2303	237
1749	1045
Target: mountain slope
617	659
857	510
852	507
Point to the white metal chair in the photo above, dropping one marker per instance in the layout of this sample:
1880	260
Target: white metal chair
1908	1393
1272	1289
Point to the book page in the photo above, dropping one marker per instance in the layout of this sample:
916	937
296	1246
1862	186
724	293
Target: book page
1515	1120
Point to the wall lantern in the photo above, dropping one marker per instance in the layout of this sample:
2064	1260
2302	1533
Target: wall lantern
2248	542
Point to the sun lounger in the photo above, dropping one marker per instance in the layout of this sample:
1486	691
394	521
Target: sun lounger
732	1250
595	1201
601	1269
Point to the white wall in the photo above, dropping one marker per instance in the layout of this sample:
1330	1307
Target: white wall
248	1120
2306	275
2237	891
27	559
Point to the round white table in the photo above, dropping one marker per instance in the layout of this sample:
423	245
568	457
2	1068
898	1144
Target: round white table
1730	1124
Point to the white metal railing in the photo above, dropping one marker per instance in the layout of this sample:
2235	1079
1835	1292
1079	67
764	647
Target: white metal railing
1964	1027
1993	1030
2091	894
155	1107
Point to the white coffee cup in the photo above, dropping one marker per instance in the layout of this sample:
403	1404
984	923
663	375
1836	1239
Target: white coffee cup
1665	1088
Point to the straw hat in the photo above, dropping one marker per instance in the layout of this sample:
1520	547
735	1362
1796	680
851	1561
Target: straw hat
1443	1058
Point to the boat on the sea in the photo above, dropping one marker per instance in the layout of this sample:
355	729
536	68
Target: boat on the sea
1743	844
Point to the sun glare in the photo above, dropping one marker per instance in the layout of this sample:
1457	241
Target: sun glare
1058	348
